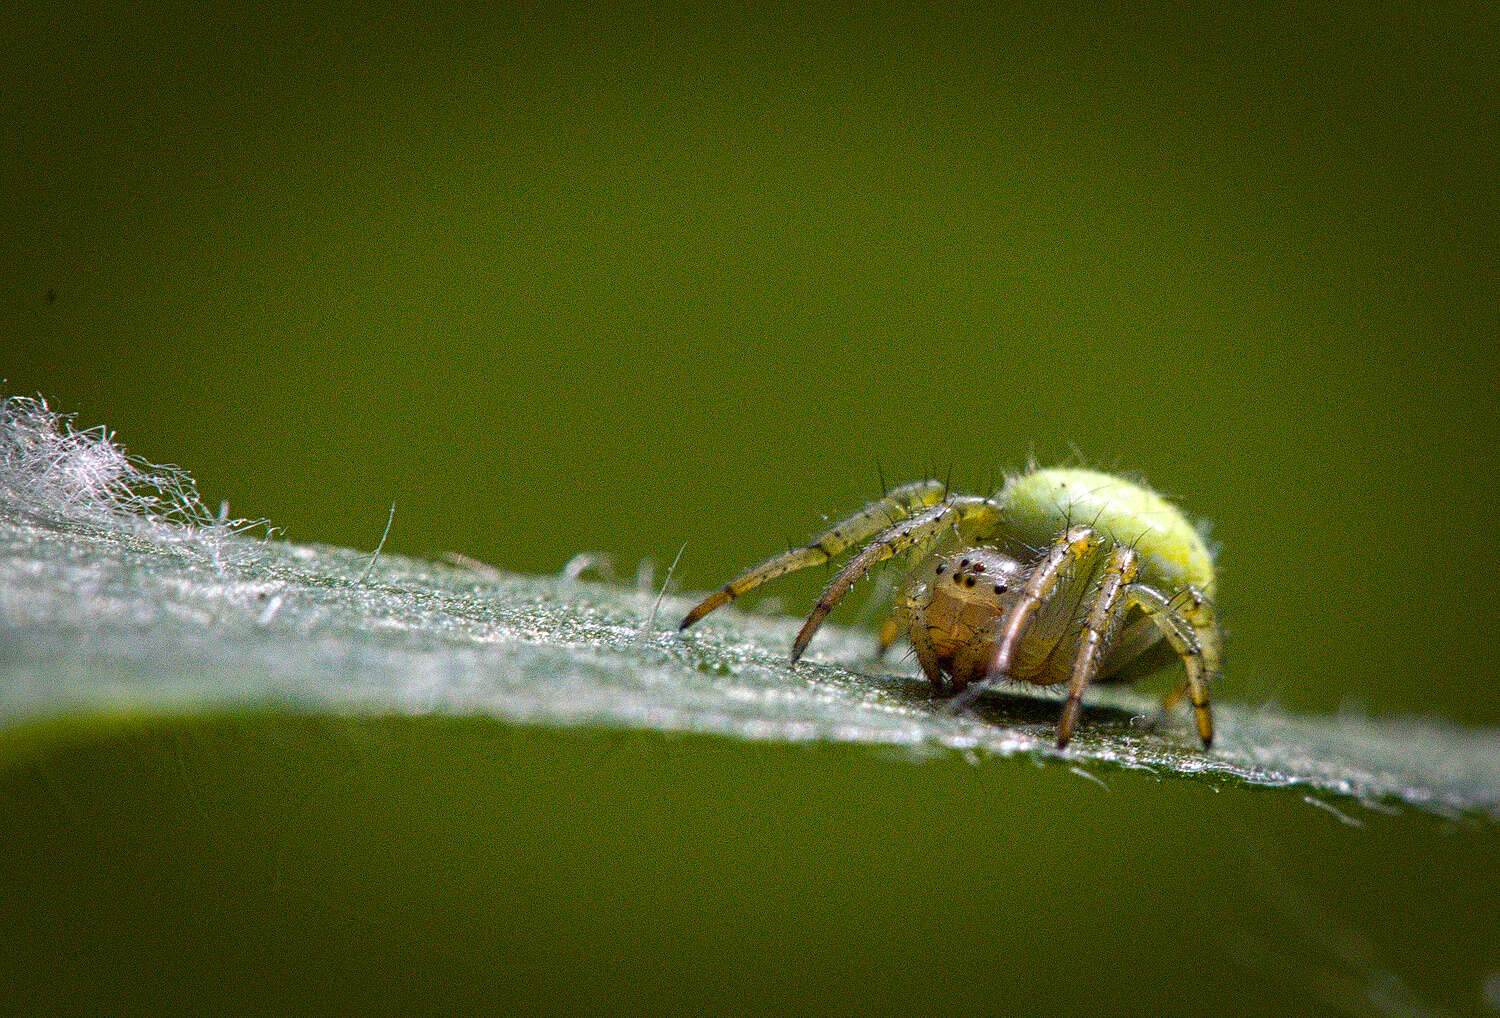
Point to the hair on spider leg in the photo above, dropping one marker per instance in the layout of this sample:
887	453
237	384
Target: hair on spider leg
1186	595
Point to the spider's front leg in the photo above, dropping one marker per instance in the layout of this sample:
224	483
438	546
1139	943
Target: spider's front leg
1105	615
897	504
918	534
1075	546
1116	594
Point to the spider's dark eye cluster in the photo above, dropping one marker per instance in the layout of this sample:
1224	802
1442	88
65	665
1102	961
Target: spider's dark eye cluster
967	572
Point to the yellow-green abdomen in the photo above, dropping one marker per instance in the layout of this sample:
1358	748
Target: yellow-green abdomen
1042	504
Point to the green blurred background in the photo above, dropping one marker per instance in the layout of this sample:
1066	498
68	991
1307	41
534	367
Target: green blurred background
567	278
453	866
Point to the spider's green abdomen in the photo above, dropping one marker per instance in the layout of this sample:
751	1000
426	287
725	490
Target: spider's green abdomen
1040	505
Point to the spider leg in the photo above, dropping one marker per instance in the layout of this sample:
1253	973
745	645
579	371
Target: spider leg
1107	611
1199	612
1070	548
897	504
1184	638
919	532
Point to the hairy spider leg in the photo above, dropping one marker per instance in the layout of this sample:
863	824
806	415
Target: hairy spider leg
1183	637
919	533
1106	613
1071	547
897	504
1191	603
1198	609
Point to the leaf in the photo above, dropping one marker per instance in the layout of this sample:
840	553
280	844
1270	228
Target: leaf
115	600
103	621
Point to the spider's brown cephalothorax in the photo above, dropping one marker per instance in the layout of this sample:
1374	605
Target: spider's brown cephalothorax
953	613
1015	587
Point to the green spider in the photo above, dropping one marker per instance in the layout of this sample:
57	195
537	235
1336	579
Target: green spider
1063	575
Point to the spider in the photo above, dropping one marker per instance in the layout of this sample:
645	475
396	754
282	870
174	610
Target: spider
1062	576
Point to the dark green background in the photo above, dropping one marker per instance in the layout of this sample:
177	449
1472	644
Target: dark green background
568	278
436	866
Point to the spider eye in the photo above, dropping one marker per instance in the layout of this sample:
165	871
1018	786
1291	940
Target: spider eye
1001	588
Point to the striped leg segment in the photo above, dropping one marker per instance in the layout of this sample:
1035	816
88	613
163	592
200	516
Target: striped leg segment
1193	605
1069	549
1184	638
1072	547
895	505
919	533
1108	610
